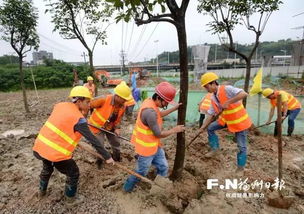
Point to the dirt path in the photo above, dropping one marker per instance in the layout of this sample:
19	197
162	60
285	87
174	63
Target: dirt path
102	189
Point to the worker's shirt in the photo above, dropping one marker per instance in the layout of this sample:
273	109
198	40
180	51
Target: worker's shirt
149	118
91	88
99	102
230	91
284	98
82	128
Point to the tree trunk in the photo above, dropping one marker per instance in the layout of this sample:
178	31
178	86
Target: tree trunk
92	70
247	78
26	107
183	57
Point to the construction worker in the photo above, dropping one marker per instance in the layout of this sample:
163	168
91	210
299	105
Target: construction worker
59	137
203	107
148	132
226	102
90	85
291	107
107	114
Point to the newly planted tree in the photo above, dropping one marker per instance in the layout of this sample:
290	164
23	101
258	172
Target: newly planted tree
83	20
18	21
227	14
145	12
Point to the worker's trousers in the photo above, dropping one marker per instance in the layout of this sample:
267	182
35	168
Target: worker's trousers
292	115
241	139
113	140
143	164
66	167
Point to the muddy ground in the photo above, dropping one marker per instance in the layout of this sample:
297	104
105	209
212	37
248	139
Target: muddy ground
102	189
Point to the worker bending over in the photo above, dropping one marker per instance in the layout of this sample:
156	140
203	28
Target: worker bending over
148	132
59	137
107	114
291	107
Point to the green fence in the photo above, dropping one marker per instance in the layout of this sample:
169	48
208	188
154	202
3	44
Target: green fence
192	116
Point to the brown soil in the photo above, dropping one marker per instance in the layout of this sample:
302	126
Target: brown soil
102	189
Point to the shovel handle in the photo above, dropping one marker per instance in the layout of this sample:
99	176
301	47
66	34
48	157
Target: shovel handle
198	134
266	124
104	130
87	148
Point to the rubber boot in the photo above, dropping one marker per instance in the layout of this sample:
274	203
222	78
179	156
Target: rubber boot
290	131
99	163
116	155
70	196
42	188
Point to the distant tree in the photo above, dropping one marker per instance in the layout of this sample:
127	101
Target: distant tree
144	12
83	20
227	14
8	59
18	20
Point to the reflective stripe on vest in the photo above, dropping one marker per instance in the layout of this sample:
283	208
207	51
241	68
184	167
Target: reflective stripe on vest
102	114
145	142
292	102
57	140
206	103
235	116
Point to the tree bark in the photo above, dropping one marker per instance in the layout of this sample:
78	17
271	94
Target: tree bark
183	57
247	79
92	71
26	107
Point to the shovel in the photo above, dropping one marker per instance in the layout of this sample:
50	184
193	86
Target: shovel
266	124
112	133
280	201
89	149
198	134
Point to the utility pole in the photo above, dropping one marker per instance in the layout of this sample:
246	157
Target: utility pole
84	57
215	53
156	41
85	61
168	57
235	54
122	61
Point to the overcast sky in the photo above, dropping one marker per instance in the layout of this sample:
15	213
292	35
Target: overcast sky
142	43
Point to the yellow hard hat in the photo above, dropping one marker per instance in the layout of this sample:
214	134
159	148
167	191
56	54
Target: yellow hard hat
90	78
80	91
123	91
266	92
207	78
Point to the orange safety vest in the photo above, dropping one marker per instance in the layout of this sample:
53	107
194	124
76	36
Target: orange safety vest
91	88
206	103
130	102
100	115
145	142
235	116
292	102
57	140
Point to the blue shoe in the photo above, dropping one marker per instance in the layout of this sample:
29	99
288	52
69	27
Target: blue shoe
128	186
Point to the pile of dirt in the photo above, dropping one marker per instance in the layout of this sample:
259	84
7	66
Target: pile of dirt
102	189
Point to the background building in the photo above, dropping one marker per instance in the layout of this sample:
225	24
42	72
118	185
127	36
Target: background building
39	56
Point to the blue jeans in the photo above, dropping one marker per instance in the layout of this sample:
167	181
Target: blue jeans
241	139
142	167
292	114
